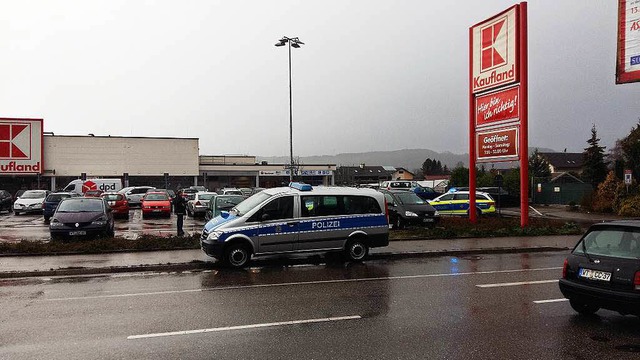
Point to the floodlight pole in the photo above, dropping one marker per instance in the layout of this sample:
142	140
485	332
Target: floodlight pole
296	42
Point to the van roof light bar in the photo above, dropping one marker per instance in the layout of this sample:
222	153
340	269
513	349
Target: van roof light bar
300	186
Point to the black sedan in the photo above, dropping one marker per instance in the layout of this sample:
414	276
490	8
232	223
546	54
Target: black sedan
82	217
603	270
407	208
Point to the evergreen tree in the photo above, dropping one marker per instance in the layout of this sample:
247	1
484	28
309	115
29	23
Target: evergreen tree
432	167
630	147
594	168
538	167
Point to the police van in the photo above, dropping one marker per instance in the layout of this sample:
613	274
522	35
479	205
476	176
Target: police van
299	218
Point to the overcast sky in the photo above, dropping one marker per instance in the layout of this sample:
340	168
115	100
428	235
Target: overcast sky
373	75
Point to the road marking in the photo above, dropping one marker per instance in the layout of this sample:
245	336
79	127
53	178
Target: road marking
550	301
517	283
317	282
243	327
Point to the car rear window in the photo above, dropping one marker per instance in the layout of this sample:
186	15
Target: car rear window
113	197
156	197
622	242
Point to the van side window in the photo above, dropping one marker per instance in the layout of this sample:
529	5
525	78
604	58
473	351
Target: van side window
325	205
330	205
361	205
280	208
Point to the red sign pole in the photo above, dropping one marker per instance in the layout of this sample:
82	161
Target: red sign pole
524	113
472	137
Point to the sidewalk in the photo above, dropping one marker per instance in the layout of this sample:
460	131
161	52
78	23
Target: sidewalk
180	260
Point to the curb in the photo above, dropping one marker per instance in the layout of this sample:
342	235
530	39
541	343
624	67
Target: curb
204	265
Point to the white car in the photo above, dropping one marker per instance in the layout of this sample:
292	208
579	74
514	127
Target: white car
30	202
199	204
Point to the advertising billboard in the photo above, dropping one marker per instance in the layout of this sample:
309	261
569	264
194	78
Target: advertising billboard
495	55
498	145
20	146
498	107
628	63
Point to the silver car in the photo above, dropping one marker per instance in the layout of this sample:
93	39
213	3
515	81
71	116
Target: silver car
199	204
134	194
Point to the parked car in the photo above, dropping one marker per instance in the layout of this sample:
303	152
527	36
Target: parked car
6	201
457	203
93	193
51	203
603	269
230	191
220	203
502	197
30	202
407	208
397	184
199	204
170	193
156	203
187	193
425	193
81	217
118	204
134	194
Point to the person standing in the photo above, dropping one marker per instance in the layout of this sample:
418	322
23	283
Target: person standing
180	207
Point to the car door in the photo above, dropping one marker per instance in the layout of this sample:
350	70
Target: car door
278	229
445	204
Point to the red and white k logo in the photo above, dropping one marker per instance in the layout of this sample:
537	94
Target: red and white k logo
494	45
15	141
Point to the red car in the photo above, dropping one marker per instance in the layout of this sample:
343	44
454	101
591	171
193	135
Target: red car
156	203
118	204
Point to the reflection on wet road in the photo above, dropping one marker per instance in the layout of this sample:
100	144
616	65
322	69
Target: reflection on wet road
32	227
436	308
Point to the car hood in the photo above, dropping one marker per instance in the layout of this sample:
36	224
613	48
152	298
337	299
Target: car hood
419	208
77	216
29	201
219	220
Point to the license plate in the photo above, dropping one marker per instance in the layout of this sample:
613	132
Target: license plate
77	233
427	220
157	210
595	275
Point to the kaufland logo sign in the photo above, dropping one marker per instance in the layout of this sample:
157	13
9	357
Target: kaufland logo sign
494	52
20	146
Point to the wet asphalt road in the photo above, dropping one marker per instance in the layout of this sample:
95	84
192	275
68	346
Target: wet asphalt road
33	228
406	309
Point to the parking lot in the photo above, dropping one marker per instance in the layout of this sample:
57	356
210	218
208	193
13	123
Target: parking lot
14	228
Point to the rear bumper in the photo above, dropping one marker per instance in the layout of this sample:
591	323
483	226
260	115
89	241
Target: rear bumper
622	301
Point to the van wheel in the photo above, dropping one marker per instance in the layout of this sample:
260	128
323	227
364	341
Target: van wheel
237	255
356	250
583	308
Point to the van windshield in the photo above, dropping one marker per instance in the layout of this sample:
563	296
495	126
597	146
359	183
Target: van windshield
250	203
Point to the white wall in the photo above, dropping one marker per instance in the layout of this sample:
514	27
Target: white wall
113	156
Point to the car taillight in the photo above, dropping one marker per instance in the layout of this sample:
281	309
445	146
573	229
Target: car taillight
636	280
43	205
564	269
197	203
491	203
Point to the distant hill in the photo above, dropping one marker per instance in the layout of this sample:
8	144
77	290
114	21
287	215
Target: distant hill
409	159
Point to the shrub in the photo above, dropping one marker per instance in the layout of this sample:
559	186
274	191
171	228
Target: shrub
605	196
630	206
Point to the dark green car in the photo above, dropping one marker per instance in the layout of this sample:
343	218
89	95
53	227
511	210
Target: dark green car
221	203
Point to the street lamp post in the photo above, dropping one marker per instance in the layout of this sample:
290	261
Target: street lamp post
292	42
